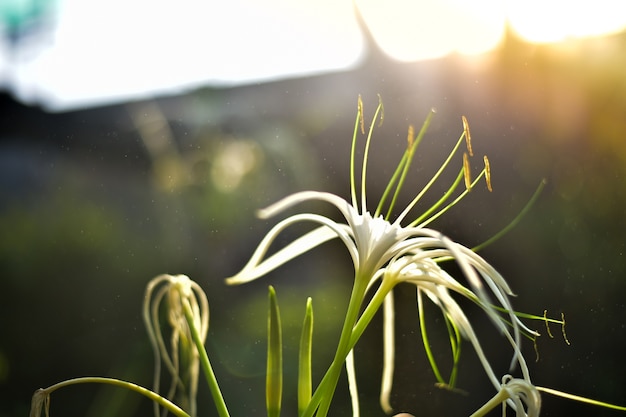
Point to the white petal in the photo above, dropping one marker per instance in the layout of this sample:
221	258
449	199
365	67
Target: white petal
389	350
352	385
257	266
301	197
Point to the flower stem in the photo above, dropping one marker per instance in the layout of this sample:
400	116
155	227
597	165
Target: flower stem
222	410
304	361
324	393
496	400
369	312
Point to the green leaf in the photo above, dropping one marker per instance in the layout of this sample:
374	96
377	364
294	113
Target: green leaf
304	371
274	379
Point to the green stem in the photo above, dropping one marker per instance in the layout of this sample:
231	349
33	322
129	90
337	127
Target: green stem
222	410
324	393
369	312
274	373
165	403
497	399
305	387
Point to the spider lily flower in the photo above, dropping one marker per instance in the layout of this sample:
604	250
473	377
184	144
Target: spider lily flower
380	247
521	394
182	358
421	268
371	239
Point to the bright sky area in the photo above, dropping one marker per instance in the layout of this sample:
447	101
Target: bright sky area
91	52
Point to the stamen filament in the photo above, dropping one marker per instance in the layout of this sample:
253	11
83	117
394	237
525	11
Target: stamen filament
545	318
366	153
468	137
563	329
442	200
401	170
430	183
456	200
455	345
427	350
487	173
515	221
403	166
466	172
358	122
581	399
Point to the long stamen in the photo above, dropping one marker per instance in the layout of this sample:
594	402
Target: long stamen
466	172
468	137
403	166
358	122
515	221
442	200
452	203
379	110
487	173
430	183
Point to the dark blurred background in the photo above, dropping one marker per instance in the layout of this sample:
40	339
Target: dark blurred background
94	202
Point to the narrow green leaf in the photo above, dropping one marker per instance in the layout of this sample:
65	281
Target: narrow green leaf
304	371
274	379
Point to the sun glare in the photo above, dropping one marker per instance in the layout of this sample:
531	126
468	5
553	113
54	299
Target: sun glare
411	30
540	21
79	61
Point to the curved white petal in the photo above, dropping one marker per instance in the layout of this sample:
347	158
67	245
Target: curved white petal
352	385
389	353
303	196
524	396
257	266
442	298
422	270
375	238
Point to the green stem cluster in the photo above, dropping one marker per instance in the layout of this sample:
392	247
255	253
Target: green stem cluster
324	393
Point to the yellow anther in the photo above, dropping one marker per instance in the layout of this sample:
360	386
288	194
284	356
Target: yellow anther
487	173
410	136
545	318
466	171
468	137
359	106
563	329
536	349
382	110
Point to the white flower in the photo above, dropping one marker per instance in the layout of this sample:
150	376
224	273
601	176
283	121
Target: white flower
371	239
371	242
181	358
385	253
422	269
520	394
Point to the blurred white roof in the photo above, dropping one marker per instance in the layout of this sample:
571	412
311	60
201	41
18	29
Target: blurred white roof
91	52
